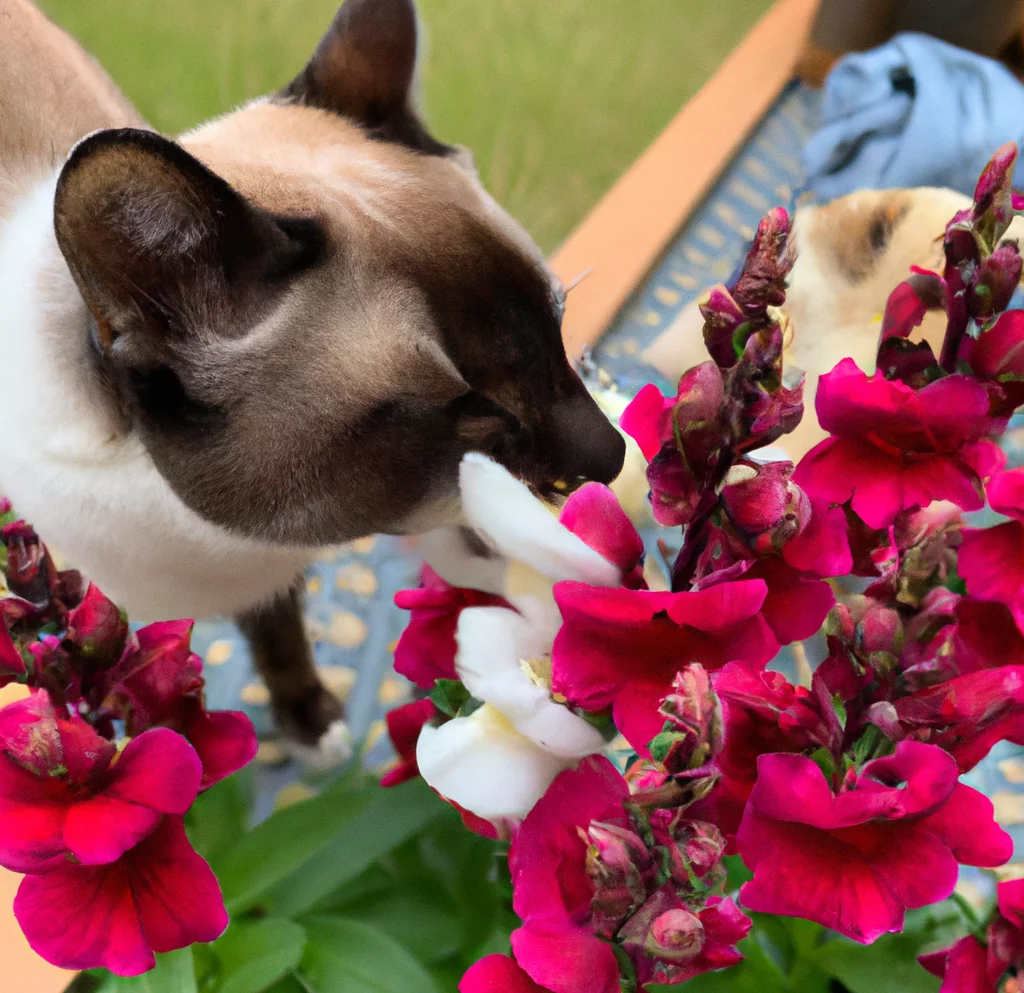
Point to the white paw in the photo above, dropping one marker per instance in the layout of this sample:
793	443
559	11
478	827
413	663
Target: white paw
334	748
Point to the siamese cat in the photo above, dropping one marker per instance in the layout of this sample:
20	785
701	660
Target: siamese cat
280	332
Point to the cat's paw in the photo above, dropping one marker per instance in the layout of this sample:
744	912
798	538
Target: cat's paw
334	748
313	729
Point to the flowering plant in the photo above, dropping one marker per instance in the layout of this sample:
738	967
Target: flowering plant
828	809
99	764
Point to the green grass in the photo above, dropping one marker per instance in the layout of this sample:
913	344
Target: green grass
555	97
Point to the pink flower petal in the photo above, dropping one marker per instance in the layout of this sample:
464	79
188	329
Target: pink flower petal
642	419
800	871
32	812
611	638
795	607
225	741
426	650
157	773
404	726
962	967
1011	901
1006	490
567	961
991	562
593	513
498	974
718	607
12	665
823	548
966	823
100	830
158	897
636	713
158	769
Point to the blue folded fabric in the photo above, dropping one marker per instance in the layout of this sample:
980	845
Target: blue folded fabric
915	112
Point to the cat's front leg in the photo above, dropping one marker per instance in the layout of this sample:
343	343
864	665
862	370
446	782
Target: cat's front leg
305	711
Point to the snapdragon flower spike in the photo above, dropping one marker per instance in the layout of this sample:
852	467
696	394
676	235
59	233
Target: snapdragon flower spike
64	790
977	287
854	861
733	314
589	870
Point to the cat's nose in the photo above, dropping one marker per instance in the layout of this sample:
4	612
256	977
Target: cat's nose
583	445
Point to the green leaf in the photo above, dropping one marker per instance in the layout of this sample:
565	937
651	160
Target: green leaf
822	758
425	927
449	696
888	964
290	984
346	956
470	868
285	842
383	822
255	955
174	973
220	816
840	709
738	873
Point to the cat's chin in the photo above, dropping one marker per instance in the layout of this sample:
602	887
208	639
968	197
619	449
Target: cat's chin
334	749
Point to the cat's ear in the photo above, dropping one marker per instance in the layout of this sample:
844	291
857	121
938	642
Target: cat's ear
363	70
162	248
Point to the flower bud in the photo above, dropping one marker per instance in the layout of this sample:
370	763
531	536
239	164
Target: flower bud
677	935
675	494
617	863
765	505
693	729
881	630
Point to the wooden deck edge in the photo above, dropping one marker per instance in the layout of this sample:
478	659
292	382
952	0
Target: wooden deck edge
620	240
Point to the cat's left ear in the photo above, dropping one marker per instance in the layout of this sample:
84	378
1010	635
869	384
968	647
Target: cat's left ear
363	69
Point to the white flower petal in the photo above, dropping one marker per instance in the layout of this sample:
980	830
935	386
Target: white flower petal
494	643
491	642
559	731
446	552
484	765
519	526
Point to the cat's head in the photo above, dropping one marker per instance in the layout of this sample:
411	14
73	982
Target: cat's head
311	309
